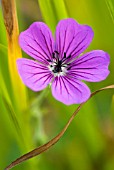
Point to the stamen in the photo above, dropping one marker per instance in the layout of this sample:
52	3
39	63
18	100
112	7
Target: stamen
69	56
65	58
57	56
64	55
49	60
56	52
63	65
53	55
58	67
69	68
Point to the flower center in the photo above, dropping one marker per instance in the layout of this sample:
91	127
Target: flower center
57	66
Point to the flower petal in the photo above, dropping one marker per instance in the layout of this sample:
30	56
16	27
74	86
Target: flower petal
33	74
92	66
72	38
37	41
69	91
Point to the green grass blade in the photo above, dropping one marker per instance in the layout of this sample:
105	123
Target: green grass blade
3	47
60	9
2	28
4	71
14	52
8	105
112	108
52	12
48	13
110	7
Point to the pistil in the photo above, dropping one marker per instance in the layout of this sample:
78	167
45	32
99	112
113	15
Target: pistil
57	66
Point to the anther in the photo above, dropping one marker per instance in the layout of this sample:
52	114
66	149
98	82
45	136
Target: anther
53	55
64	55
49	60
69	68
65	58
69	56
56	52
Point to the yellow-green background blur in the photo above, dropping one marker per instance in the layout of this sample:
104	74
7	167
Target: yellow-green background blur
88	143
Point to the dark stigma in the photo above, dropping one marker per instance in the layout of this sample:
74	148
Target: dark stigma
57	67
59	63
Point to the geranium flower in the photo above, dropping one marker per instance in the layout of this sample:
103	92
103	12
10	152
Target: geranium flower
60	61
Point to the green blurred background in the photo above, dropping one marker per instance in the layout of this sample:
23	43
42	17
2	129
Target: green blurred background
88	143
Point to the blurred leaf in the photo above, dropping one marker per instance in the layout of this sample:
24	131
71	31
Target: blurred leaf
2	28
4	71
21	129
84	147
60	9
13	117
110	8
37	151
8	105
112	108
14	51
52	12
3	47
47	13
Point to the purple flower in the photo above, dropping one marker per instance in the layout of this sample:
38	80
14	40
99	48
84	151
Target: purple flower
60	61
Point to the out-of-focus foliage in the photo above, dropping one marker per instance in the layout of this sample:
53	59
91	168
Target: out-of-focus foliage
89	142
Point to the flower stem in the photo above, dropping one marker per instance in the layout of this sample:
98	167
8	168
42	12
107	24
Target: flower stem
46	146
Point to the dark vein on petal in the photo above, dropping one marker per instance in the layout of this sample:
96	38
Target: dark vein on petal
37	66
42	49
64	43
56	83
65	86
34	50
78	51
88	68
72	41
77	62
82	72
59	43
41	78
37	57
34	74
78	45
74	74
49	77
67	79
40	45
51	43
83	57
70	44
33	47
45	42
77	82
60	86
